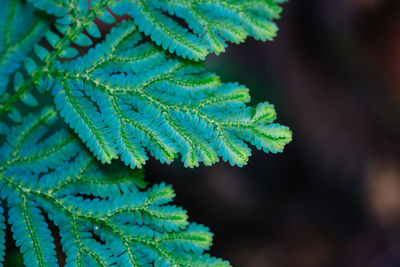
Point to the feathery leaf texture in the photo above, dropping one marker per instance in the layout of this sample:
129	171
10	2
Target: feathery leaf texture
194	28
19	16
126	95
190	28
21	28
103	219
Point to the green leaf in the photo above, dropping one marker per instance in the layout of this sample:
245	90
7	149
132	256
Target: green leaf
104	216
126	96
192	29
21	27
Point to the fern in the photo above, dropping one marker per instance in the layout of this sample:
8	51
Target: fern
125	95
16	39
102	219
205	25
139	91
190	28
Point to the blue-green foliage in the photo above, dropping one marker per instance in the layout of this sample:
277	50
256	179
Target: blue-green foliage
190	28
125	95
23	26
20	29
194	28
104	217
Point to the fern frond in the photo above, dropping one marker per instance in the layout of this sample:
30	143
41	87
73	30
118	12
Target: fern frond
193	29
126	96
74	16
70	25
21	28
31	232
197	116
103	220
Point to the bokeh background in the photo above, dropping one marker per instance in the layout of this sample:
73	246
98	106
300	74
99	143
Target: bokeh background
333	197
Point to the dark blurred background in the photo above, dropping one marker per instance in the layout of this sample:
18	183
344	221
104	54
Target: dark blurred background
333	197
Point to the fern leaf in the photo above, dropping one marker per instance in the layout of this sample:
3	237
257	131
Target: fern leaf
193	29
104	217
31	232
21	28
17	40
126	98
137	98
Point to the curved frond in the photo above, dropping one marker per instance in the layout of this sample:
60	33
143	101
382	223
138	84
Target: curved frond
21	27
102	219
193	29
31	232
18	36
126	96
190	28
